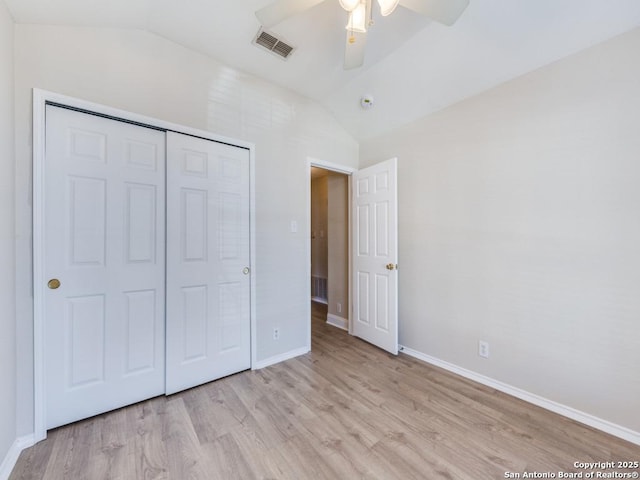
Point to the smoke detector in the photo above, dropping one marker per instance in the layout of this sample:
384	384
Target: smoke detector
366	102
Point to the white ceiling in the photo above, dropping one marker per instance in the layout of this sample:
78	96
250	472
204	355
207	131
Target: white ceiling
413	66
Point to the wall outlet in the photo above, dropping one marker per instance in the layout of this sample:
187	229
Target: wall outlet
276	334
339	307
483	348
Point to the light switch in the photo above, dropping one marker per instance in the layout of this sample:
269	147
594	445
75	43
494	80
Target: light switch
294	226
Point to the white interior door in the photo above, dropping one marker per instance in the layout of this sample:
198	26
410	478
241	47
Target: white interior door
208	258
375	255
104	264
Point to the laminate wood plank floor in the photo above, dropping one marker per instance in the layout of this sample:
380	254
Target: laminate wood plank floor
346	410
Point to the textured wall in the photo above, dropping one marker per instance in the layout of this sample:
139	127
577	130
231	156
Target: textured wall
7	239
519	225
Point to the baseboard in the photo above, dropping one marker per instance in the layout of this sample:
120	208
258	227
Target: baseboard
564	410
320	300
337	321
12	455
280	358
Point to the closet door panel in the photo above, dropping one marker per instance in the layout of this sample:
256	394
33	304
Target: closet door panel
104	264
208	247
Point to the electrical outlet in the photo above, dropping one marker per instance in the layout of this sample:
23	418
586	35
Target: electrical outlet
483	348
339	308
276	334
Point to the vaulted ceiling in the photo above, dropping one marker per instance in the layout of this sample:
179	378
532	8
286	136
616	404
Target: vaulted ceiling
412	67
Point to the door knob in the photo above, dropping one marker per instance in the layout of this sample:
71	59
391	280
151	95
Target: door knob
53	283
246	270
391	266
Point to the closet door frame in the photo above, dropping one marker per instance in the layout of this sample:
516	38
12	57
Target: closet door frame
41	98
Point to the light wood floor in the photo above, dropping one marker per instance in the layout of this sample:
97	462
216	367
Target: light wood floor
344	411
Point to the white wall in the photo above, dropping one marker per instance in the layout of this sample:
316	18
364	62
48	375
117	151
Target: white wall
146	74
7	239
520	225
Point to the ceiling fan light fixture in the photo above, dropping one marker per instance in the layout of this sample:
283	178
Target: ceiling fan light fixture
387	6
358	19
349	5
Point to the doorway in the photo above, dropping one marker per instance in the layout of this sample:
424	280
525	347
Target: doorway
372	254
329	245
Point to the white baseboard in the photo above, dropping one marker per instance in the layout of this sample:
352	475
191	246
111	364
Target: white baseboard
320	300
337	321
564	410
12	455
280	358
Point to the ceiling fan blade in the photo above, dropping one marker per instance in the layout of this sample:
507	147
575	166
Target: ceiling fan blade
354	50
443	11
282	9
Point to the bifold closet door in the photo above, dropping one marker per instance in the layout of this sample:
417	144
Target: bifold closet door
208	258
104	264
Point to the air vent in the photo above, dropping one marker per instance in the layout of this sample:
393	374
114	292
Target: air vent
274	44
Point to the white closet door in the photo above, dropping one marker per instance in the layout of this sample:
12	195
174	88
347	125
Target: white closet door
208	277
104	234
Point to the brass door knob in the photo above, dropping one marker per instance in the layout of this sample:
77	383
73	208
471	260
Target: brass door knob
391	266
53	283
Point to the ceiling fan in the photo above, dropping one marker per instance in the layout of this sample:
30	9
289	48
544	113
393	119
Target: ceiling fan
442	11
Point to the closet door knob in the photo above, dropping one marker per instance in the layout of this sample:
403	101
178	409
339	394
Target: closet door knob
246	270
53	283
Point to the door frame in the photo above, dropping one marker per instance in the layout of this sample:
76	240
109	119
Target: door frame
348	171
41	98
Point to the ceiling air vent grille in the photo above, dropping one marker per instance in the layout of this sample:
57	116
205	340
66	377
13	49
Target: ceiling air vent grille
274	44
